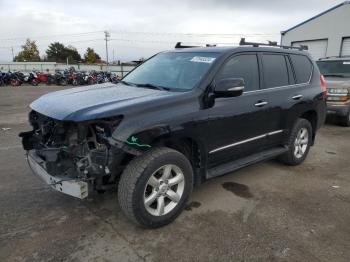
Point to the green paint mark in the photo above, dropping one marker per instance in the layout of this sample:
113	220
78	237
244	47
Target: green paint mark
134	142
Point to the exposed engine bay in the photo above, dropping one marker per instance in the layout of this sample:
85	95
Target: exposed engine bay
73	150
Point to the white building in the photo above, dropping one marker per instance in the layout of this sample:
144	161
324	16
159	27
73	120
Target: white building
326	34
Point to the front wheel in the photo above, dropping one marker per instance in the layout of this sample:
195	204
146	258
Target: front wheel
154	187
298	143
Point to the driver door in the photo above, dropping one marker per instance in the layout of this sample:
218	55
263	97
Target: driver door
237	125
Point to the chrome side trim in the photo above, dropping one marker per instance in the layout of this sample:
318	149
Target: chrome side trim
246	141
277	87
274	132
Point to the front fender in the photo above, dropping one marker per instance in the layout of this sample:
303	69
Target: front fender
141	141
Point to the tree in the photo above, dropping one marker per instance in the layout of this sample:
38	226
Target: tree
90	56
29	53
57	52
72	54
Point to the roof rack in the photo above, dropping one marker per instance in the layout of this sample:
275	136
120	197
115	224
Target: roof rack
179	45
272	44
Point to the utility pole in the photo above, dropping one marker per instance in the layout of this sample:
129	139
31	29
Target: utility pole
113	56
13	56
107	35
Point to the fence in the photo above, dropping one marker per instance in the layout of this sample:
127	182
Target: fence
120	70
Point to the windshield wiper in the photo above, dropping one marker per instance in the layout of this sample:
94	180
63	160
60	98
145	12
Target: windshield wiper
153	86
127	83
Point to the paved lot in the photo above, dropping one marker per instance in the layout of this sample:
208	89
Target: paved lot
267	212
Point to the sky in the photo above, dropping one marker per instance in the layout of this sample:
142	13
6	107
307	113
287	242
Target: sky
141	28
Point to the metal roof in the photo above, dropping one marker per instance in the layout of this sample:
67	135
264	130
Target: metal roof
316	16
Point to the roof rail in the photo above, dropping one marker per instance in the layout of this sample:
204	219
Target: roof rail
272	44
179	45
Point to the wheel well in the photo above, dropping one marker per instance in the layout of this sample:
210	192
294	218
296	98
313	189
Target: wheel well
191	150
311	116
186	146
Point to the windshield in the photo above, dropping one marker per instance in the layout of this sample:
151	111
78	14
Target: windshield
172	71
335	68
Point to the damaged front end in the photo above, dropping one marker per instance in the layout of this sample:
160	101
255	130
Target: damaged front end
73	157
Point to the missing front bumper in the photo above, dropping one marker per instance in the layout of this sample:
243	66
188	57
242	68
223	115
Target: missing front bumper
74	187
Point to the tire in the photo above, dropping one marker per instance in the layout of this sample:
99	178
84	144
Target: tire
135	187
296	156
34	82
63	82
345	120
15	82
50	81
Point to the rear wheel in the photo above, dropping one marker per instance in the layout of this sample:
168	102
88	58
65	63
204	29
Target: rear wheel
154	187
299	143
63	82
345	120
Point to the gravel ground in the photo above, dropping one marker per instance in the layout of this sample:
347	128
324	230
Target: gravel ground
266	212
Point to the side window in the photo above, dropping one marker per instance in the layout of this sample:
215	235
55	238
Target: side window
275	70
242	66
290	71
302	68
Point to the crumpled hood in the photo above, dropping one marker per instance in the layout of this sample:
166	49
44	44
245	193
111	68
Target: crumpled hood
93	102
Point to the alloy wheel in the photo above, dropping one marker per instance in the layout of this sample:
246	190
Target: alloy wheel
164	190
301	143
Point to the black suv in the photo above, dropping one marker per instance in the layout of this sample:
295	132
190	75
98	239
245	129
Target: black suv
178	119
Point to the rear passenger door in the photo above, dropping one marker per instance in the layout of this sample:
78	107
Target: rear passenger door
283	90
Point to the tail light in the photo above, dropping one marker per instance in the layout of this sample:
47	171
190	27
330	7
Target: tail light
323	85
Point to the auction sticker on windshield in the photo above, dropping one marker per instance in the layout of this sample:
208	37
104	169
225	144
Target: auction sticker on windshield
203	59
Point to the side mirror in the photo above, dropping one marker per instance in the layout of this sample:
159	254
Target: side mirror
229	87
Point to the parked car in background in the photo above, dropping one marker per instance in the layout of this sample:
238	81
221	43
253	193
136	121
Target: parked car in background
178	119
336	71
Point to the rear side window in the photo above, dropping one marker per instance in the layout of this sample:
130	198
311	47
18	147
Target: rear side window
302	68
242	66
275	70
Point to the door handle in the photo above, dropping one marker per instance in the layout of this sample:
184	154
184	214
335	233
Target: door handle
261	103
297	97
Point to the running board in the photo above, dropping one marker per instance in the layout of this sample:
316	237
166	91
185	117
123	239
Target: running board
247	161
